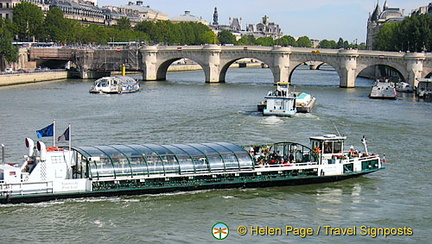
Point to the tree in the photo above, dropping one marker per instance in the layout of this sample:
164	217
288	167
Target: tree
286	41
265	41
124	24
55	26
246	40
28	19
8	52
226	37
304	41
330	44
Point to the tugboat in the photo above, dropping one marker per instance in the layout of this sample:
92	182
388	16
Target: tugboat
383	89
49	173
283	102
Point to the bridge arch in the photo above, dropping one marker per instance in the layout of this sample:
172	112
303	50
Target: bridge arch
227	64
299	60
165	64
398	67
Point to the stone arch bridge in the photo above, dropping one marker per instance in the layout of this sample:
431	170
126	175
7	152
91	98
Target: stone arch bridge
215	60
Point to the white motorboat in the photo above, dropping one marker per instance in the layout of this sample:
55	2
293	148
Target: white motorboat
115	84
404	87
383	89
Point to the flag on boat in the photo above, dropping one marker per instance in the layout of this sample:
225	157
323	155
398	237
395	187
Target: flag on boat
64	136
46	132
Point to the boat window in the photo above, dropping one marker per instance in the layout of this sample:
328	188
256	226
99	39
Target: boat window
337	147
328	147
147	159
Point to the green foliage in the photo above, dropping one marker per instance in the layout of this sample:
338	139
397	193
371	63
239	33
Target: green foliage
286	41
330	44
226	37
304	41
124	24
28	19
265	41
412	34
246	40
8	52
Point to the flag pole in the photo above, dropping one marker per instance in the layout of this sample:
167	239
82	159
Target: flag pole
54	135
70	137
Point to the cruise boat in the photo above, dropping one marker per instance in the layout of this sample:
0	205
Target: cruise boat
424	88
49	173
283	102
115	85
383	89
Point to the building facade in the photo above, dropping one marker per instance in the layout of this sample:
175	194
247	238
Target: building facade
87	11
423	10
378	18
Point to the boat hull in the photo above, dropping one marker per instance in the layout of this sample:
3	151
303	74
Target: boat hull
189	184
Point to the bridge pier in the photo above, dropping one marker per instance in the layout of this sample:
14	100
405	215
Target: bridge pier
348	69
149	63
414	67
212	67
281	68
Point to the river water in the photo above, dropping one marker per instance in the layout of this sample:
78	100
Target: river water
184	109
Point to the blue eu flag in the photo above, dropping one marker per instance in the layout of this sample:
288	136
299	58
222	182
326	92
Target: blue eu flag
46	132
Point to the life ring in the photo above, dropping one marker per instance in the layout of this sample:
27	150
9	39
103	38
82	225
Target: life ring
52	149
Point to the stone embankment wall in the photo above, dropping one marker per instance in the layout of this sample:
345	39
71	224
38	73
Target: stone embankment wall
23	78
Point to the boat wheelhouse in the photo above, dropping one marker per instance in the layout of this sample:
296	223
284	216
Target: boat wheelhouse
56	173
280	102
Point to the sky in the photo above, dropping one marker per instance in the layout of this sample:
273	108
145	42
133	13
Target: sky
317	19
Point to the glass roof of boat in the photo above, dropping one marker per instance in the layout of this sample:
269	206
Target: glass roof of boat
150	159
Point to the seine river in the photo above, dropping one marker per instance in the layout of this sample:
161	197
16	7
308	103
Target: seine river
184	109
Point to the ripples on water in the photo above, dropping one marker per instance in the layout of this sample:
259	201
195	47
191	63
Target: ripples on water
185	109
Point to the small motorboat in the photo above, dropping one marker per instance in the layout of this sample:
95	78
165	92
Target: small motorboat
383	89
404	87
115	85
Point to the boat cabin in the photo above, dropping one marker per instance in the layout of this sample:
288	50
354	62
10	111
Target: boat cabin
328	146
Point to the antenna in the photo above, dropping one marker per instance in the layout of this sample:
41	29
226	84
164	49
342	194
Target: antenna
336	129
363	140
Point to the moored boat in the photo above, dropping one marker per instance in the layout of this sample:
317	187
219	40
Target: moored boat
424	88
383	89
404	87
49	173
115	85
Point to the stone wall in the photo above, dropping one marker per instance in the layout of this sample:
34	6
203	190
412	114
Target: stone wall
23	78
